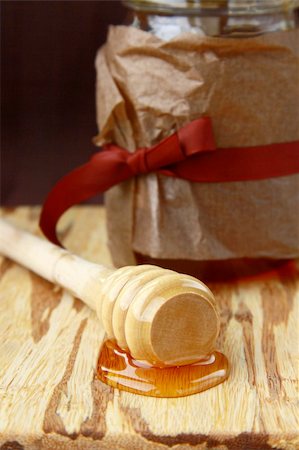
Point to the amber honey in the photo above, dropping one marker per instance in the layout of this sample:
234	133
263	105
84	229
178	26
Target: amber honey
119	370
219	270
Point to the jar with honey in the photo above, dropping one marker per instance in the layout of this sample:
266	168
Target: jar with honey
209	89
237	63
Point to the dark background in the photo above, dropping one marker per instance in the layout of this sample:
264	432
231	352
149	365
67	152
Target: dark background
48	90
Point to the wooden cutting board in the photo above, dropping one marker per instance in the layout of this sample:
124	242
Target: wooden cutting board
50	397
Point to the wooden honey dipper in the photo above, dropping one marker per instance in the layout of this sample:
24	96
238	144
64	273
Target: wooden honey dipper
157	315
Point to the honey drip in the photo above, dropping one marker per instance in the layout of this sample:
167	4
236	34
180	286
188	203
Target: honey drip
119	370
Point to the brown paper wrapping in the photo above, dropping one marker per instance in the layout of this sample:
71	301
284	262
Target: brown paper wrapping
147	88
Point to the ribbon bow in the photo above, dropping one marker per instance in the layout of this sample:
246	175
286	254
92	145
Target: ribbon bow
115	164
189	153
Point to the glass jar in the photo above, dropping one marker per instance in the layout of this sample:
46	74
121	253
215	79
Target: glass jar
219	19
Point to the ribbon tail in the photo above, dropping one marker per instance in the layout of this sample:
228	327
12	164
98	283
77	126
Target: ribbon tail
82	183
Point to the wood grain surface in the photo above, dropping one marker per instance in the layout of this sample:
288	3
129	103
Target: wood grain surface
50	397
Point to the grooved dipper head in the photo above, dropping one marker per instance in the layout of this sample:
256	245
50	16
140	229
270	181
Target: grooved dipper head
160	316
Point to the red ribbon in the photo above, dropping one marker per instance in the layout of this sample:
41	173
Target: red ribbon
190	154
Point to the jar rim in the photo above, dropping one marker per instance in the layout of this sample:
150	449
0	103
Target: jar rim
220	7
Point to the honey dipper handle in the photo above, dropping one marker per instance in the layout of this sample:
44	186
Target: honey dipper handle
82	278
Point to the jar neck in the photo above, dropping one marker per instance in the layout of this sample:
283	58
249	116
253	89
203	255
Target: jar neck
219	18
213	7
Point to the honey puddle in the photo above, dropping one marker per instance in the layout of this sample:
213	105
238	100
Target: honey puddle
119	370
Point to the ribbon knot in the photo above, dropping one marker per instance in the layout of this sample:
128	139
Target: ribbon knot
137	162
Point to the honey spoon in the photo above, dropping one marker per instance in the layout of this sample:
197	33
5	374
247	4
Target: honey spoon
157	315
